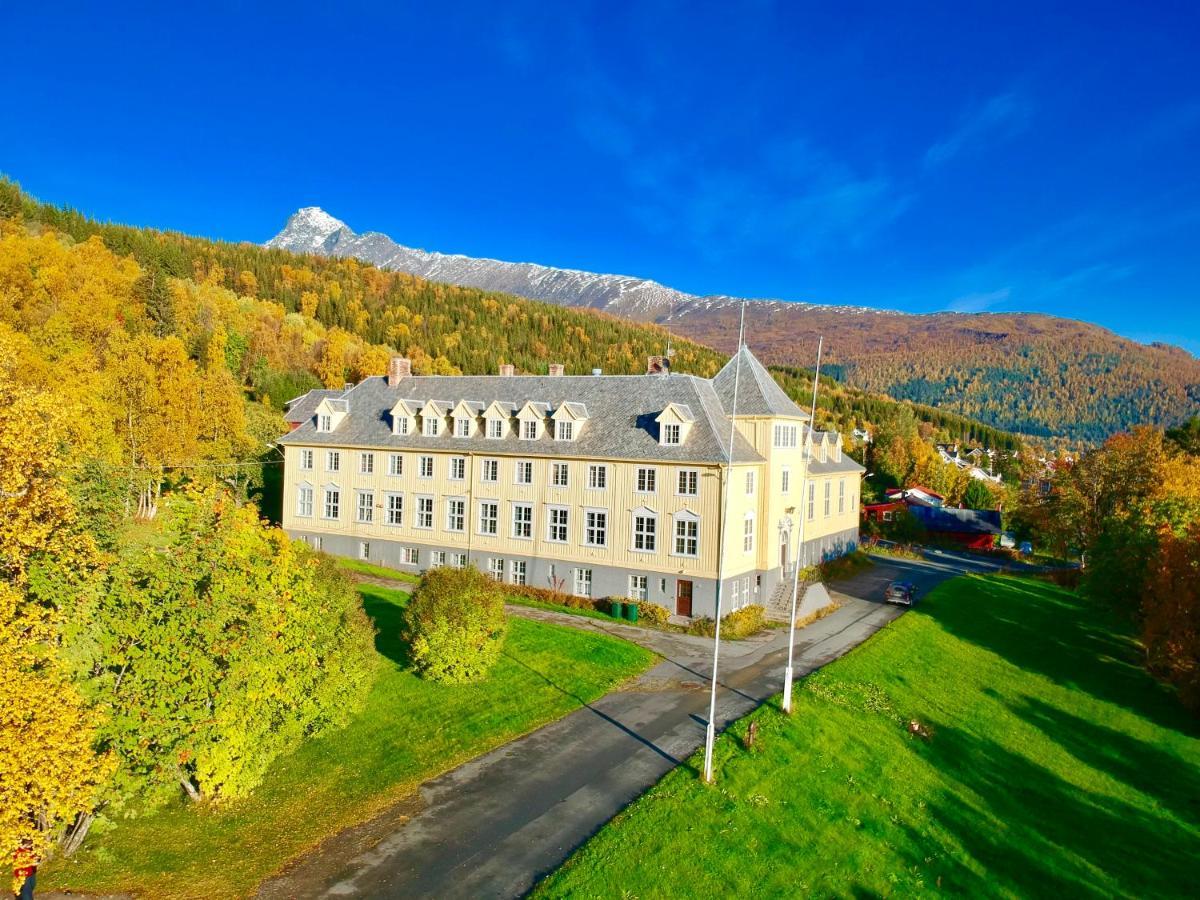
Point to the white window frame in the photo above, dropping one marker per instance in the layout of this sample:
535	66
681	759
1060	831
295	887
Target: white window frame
784	437
324	422
828	497
364	512
410	556
437	559
489	471
459	463
430	426
304	500
306	460
812	500
425	512
593	527
564	431
518	572
458	560
687	478
841	496
751	482
748	533
462	427
424	467
646	480
495	429
333	461
393	509
560	476
639	587
684	521
334	503
644	531
456	515
488	521
597	477
558	524
364	549
583	582
496	567
400	425
396	464
522	525
529	429
523	466
672	434
785	481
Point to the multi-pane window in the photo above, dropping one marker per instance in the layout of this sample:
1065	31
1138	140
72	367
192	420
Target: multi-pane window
565	432
812	499
495	428
400	425
522	520
595	531
598	477
366	506
750	482
366	464
424	512
489	517
430	426
456	514
583	582
842	496
458	560
496	567
437	559
364	550
458	468
786	482
637	587
411	556
462	427
748	534
425	466
556	529
645	532
524	472
671	434
529	429
304	500
324	422
333	503
559	473
689	483
646	480
395	509
687	536
516	571
396	464
828	485
490	470
306	460
333	461
823	453
785	436
735	597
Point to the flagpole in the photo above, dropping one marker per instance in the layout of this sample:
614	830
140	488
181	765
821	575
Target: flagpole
710	732
788	673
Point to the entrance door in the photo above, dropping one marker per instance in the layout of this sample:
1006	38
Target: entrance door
683	598
784	556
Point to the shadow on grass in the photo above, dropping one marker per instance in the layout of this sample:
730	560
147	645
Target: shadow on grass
1036	834
387	614
1043	629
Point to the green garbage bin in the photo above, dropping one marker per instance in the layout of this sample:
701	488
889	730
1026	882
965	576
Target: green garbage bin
631	611
618	609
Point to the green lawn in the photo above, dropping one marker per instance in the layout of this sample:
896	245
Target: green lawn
1055	767
365	568
409	731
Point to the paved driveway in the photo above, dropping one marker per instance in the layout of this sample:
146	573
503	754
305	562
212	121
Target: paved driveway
492	827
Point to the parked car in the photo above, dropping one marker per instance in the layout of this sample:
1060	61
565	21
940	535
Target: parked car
1025	549
902	593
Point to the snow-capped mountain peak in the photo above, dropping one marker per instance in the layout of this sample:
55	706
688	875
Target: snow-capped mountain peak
308	230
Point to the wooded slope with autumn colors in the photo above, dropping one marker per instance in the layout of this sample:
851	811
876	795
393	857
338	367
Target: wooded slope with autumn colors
1029	373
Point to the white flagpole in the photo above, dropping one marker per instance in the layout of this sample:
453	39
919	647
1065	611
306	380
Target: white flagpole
710	733
787	673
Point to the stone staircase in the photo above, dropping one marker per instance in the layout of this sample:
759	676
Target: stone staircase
779	604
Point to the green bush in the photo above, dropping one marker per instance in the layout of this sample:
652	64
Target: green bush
455	625
737	625
652	614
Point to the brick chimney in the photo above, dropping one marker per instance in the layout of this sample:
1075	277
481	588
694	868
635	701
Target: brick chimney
398	367
657	365
507	369
557	368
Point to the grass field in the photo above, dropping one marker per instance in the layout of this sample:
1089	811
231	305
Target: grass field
365	568
1054	767
409	731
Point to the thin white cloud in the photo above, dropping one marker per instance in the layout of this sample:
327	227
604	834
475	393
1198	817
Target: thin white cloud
1003	116
980	302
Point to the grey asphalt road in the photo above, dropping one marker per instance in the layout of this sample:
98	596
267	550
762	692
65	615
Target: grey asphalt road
492	827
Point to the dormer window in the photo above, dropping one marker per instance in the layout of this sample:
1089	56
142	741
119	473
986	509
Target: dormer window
495	429
531	420
462	427
430	426
672	434
529	430
566	431
325	422
674	422
400	425
823	453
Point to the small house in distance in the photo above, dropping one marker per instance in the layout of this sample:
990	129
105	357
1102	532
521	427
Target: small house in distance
974	529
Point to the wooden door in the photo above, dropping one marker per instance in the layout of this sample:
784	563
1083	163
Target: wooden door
683	598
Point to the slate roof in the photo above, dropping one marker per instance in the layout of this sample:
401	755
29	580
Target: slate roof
621	410
964	521
758	394
304	407
831	466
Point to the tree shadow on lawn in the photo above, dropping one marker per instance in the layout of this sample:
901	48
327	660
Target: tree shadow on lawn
1035	834
1044	629
388	617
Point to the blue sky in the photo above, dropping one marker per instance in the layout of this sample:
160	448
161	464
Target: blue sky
907	156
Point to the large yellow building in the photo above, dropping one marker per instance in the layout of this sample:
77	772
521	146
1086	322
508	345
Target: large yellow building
595	485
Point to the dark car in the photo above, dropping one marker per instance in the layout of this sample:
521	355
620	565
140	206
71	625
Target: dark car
902	593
